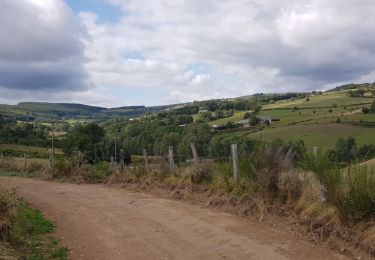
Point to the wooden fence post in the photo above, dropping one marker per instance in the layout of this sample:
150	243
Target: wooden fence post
233	148
315	151
111	164
24	156
170	158
195	154
79	159
2	157
50	161
122	159
146	159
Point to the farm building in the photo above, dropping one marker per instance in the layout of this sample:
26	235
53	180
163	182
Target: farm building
265	120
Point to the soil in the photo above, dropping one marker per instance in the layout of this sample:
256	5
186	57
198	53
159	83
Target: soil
101	222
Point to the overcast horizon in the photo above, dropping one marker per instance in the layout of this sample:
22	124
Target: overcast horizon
137	52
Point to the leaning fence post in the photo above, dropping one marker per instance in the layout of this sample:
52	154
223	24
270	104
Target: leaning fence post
146	159
195	155
170	158
233	148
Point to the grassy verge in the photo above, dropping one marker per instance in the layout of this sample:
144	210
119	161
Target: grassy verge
329	200
25	233
15	174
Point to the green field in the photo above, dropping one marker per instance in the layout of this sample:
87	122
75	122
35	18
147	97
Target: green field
323	108
238	115
314	121
321	135
28	149
329	99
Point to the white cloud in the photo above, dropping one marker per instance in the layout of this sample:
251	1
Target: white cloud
193	49
247	46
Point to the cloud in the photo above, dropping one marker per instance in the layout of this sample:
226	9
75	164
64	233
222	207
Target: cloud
245	46
168	51
40	47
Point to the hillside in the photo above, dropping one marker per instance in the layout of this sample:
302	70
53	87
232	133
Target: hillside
43	111
318	118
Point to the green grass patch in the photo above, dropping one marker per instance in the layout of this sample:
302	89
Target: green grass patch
15	174
27	232
238	115
322	135
330	99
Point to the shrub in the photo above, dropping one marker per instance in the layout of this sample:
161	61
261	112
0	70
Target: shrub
372	107
34	167
270	162
7	210
327	173
357	198
345	150
62	167
202	173
365	110
98	172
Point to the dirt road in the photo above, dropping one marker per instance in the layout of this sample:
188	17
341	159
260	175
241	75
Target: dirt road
98	222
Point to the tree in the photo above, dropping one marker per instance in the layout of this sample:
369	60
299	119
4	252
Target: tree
206	116
247	115
357	93
345	150
365	110
219	114
372	107
253	120
1	121
85	139
184	119
220	145
366	152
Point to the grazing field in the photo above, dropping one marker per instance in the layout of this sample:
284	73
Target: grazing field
28	149
314	121
330	99
321	135
238	115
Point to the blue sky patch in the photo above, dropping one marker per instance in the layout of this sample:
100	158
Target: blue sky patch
105	11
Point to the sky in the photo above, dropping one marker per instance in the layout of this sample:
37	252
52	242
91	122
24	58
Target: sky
140	52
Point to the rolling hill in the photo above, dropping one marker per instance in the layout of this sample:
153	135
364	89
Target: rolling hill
43	111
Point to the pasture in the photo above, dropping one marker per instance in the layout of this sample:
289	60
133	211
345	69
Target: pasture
327	100
322	135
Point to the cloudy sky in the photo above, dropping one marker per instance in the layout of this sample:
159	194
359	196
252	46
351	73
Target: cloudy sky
151	52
